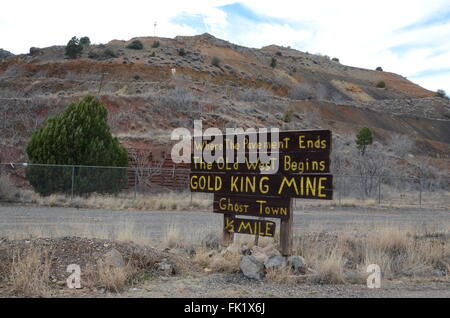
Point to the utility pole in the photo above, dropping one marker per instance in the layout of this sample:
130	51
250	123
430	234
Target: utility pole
154	29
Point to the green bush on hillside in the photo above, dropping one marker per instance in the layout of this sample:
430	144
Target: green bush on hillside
135	45
78	136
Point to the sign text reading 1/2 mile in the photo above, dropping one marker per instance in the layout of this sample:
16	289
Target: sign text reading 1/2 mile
306	186
252	206
288	141
249	226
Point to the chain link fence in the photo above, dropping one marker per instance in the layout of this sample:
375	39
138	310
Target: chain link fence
30	183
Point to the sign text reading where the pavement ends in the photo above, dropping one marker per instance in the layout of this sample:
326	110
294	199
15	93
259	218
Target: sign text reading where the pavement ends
287	141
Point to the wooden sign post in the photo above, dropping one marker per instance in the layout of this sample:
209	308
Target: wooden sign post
249	192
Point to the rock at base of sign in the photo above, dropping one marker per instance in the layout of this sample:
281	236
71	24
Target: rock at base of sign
298	264
251	267
245	250
259	256
112	258
211	241
277	262
165	267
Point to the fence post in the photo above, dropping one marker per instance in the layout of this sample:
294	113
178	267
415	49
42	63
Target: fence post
286	233
420	191
73	180
135	182
379	190
340	189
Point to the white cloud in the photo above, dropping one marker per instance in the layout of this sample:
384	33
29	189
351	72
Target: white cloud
359	33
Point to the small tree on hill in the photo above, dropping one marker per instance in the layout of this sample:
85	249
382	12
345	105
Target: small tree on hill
441	93
363	139
78	136
215	61
85	40
74	48
381	84
273	62
135	45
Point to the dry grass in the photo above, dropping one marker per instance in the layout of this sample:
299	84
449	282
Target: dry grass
169	201
283	276
172	236
227	261
29	273
344	257
330	270
114	279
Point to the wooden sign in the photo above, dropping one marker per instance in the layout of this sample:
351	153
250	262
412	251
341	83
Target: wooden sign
288	141
252	206
304	186
249	226
298	166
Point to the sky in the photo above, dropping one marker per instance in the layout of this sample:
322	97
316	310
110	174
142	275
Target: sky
410	38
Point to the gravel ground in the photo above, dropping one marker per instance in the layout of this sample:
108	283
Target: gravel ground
56	221
235	285
150	226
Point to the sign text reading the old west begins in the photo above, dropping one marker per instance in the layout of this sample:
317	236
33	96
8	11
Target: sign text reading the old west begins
306	186
295	162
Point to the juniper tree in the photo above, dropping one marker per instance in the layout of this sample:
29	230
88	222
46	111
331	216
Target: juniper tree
74	48
78	136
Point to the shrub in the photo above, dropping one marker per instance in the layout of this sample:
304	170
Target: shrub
102	55
381	84
379	68
135	45
278	53
364	138
335	59
109	53
74	48
152	54
178	99
215	61
441	93
273	62
78	136
254	95
85	40
287	116
300	92
93	55
155	44
182	52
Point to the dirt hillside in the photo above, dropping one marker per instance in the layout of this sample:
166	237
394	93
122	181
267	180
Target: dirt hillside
149	92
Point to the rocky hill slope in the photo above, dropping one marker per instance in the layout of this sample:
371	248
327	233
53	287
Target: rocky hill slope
150	91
